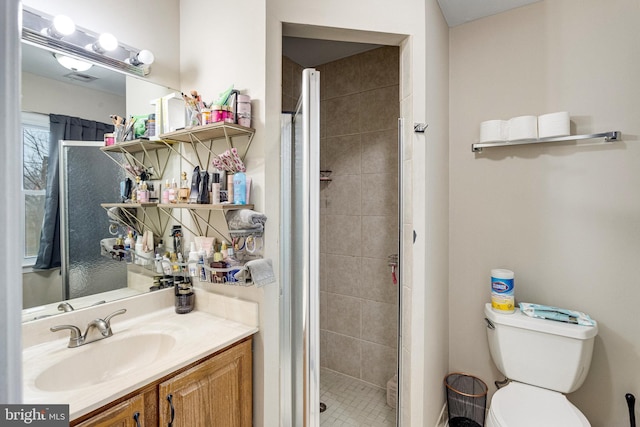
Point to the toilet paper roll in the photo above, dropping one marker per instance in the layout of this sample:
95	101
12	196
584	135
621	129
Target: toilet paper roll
523	127
494	131
554	124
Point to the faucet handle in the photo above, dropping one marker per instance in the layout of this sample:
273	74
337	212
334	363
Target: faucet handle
76	336
107	319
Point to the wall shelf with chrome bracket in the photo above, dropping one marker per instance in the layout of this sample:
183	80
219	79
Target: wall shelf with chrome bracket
150	218
608	137
142	152
205	218
215	138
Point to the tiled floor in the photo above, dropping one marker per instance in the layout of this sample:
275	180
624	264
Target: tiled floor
351	402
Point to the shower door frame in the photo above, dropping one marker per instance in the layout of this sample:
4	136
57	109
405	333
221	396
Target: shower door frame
300	260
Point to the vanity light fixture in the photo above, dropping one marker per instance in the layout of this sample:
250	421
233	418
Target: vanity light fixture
72	64
55	35
60	27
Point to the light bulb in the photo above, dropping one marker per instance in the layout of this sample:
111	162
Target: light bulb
107	42
63	25
146	57
60	27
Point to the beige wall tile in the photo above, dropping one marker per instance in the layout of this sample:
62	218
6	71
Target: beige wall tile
380	67
344	315
379	109
343	77
379	236
343	234
380	323
343	354
343	195
380	151
344	274
342	115
380	194
341	155
379	363
376	281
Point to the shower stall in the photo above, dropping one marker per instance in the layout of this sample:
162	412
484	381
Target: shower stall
340	242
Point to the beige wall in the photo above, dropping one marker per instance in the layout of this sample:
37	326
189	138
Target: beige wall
565	217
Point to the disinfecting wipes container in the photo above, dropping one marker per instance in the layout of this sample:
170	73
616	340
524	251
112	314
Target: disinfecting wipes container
502	296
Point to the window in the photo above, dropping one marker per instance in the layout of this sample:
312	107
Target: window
35	153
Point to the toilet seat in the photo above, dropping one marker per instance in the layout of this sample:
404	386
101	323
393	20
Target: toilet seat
522	405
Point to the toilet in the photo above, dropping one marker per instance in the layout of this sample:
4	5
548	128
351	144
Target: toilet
544	359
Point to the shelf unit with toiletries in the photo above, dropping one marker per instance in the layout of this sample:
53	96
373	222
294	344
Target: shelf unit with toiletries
152	155
214	137
612	136
207	220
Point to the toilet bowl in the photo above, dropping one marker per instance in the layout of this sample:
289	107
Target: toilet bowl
522	405
543	359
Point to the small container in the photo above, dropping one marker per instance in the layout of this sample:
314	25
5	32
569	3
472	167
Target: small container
109	139
184	298
217	114
151	125
207	116
502	291
228	114
244	111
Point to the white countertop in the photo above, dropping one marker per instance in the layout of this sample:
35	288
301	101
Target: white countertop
197	334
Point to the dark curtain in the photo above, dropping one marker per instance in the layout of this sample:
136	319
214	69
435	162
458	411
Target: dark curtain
70	129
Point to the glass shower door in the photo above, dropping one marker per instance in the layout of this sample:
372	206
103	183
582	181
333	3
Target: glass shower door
300	328
87	179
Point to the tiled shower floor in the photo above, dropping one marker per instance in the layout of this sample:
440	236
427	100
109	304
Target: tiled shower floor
351	402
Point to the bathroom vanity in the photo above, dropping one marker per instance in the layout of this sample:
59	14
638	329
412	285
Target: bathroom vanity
215	391
157	368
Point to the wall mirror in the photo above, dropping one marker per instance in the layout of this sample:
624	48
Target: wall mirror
93	94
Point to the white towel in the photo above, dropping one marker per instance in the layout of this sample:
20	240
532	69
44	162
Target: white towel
261	272
246	219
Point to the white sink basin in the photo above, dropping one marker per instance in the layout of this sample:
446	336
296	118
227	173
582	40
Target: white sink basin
102	360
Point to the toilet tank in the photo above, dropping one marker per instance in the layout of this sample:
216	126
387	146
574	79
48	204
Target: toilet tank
544	353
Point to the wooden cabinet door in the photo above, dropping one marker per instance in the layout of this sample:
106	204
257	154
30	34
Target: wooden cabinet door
215	393
129	413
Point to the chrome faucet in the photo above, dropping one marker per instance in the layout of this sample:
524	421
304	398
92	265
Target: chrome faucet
103	326
65	306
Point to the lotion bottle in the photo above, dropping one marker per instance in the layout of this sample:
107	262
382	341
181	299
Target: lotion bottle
240	188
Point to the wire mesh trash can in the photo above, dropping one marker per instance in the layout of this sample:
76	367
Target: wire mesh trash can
466	400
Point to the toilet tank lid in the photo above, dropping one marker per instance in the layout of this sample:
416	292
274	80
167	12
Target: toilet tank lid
521	320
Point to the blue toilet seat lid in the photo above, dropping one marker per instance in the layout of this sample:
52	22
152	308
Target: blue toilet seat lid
522	405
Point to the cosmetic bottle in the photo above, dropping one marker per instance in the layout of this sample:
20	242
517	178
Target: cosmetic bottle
215	188
201	270
173	191
165	193
128	252
240	188
143	193
139	252
230	187
183	193
192	263
134	190
158	264
166	265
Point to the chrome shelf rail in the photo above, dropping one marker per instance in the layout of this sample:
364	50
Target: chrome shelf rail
608	137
